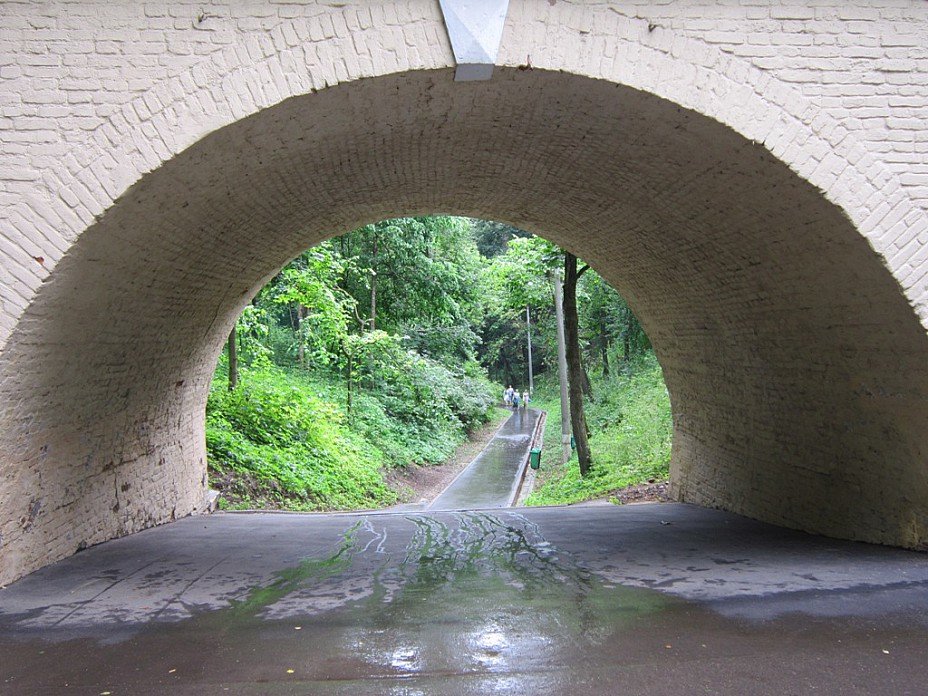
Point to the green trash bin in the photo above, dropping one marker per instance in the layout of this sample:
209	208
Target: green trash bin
534	458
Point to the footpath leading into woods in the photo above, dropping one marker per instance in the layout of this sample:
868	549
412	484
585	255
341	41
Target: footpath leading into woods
492	479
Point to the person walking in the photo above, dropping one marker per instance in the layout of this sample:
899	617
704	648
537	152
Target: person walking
525	399
507	395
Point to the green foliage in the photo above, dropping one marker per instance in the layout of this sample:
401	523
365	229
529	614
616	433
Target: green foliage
511	281
492	238
294	445
309	284
606	319
287	434
520	276
361	355
404	393
631	431
252	335
426	273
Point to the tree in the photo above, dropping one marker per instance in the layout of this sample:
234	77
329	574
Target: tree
511	282
233	360
493	238
377	348
602	316
323	310
634	339
574	365
418	277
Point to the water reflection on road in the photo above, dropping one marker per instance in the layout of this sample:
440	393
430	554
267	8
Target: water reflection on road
473	603
470	594
484	595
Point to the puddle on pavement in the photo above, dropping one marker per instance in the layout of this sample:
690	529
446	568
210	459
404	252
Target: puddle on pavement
471	597
453	574
486	595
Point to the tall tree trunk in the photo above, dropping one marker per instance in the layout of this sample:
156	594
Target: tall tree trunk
374	288
233	358
574	366
301	348
627	336
604	350
349	389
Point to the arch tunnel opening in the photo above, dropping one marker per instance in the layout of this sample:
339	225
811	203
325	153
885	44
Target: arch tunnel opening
374	367
795	364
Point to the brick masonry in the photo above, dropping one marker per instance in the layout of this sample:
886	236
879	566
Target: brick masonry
753	176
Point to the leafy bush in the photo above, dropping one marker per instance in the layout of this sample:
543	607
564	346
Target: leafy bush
293	445
432	406
631	428
283	439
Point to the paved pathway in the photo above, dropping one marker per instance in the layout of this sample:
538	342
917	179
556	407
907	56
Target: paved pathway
492	479
664	599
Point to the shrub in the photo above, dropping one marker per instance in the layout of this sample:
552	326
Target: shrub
294	445
631	429
283	438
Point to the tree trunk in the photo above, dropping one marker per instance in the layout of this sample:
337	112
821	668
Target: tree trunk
349	389
301	349
374	288
233	359
604	351
574	366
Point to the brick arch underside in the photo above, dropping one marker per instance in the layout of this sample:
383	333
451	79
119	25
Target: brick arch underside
796	368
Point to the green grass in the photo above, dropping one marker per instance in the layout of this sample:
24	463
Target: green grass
282	440
630	426
281	446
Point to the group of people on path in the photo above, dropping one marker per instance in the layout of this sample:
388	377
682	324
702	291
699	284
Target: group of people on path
512	398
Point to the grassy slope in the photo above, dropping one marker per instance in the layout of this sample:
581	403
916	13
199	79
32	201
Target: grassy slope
282	441
630	425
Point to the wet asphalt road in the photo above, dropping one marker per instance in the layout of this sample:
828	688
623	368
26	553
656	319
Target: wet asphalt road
665	599
491	480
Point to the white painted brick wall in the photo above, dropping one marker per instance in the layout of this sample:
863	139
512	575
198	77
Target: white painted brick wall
865	64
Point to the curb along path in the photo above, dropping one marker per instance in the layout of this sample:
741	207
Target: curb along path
527	476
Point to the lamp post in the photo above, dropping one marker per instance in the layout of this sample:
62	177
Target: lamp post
562	365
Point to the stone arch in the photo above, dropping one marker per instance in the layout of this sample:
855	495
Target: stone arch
297	58
686	157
